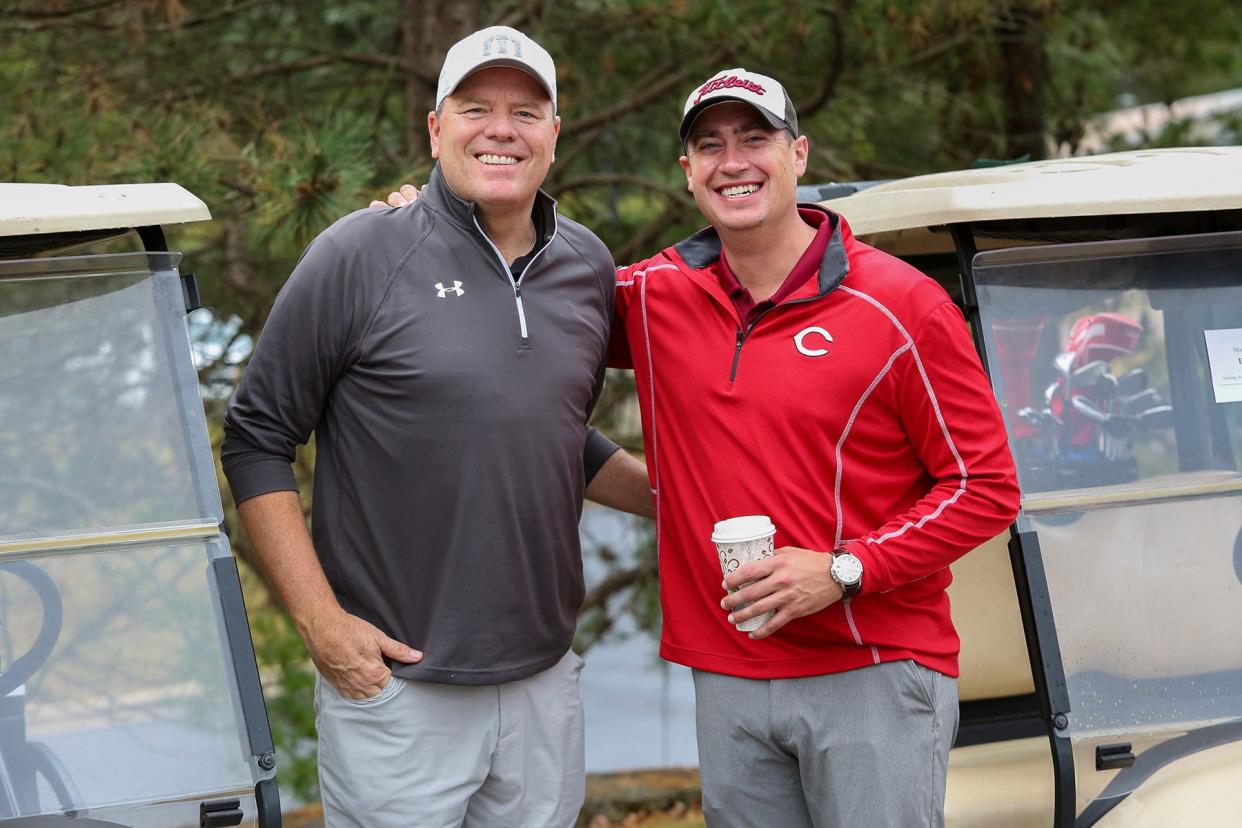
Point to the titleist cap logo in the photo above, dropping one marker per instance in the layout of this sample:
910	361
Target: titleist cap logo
728	82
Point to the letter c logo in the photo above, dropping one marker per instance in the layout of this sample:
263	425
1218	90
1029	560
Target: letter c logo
811	352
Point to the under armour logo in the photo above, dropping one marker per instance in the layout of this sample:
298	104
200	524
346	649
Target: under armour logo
800	337
443	291
502	45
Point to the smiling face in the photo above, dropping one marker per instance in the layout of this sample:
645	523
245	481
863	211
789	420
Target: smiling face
743	173
495	138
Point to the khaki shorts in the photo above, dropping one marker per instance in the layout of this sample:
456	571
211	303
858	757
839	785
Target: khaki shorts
441	755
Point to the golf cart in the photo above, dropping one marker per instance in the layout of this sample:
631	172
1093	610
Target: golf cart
129	694
1101	662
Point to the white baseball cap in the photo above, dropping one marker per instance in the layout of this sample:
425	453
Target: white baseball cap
763	93
496	46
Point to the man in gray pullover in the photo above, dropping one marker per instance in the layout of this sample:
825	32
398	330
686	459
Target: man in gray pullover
447	359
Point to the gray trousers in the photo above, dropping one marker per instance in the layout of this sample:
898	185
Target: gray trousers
868	747
442	756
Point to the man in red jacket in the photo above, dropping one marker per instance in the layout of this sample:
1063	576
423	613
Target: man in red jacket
785	368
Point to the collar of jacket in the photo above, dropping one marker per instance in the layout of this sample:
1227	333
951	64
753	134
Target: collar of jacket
703	250
440	198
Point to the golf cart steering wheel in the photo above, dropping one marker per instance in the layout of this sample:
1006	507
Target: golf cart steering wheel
36	756
21	669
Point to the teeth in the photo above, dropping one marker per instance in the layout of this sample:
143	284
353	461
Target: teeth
740	190
502	160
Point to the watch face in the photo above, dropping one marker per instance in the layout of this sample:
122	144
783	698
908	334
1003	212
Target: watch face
847	569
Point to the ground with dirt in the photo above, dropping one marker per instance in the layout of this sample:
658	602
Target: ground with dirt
667	798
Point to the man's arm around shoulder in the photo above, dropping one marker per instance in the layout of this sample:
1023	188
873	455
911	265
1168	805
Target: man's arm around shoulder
622	484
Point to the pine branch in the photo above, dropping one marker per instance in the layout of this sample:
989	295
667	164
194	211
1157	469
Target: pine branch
210	17
520	16
588	180
835	67
379	61
568	151
17	20
642	241
615	583
266	70
649	91
15	12
206	370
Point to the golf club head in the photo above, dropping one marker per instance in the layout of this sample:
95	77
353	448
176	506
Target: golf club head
1106	386
1141	401
1088	374
1088	409
1132	382
1044	418
1120	425
1030	415
1160	416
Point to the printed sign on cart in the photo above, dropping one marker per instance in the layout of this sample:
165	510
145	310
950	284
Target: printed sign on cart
1224	349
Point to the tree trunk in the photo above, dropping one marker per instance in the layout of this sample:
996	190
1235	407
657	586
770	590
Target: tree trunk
1024	79
428	29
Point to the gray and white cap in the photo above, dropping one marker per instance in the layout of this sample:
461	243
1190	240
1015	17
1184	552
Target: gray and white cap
760	91
496	46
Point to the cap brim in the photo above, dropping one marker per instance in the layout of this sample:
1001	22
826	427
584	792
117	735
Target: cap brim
687	121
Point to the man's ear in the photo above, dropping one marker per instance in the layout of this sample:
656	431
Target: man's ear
556	133
802	152
433	132
685	165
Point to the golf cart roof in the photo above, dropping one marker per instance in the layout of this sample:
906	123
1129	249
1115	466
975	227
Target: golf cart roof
1142	181
38	209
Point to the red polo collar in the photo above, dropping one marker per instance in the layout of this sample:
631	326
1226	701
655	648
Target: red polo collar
807	267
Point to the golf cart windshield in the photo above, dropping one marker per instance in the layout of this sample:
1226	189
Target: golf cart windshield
96	403
1119	370
118	682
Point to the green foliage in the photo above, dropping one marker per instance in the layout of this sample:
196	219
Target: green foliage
289	689
310	179
1173	50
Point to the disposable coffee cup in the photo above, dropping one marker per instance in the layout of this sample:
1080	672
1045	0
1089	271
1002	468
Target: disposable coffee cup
741	540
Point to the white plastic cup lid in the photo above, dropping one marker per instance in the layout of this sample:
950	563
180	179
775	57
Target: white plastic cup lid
744	528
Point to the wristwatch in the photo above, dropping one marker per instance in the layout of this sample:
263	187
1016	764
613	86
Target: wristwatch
847	570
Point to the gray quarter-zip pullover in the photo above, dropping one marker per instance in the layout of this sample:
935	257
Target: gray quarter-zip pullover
449	403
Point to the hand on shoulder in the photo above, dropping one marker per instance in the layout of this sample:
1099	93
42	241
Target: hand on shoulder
404	197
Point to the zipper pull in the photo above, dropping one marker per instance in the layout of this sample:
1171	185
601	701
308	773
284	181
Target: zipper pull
737	354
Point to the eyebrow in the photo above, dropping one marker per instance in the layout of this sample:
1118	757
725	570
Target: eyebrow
530	104
746	127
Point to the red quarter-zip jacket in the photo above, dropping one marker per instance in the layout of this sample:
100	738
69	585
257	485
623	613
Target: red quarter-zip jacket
855	413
